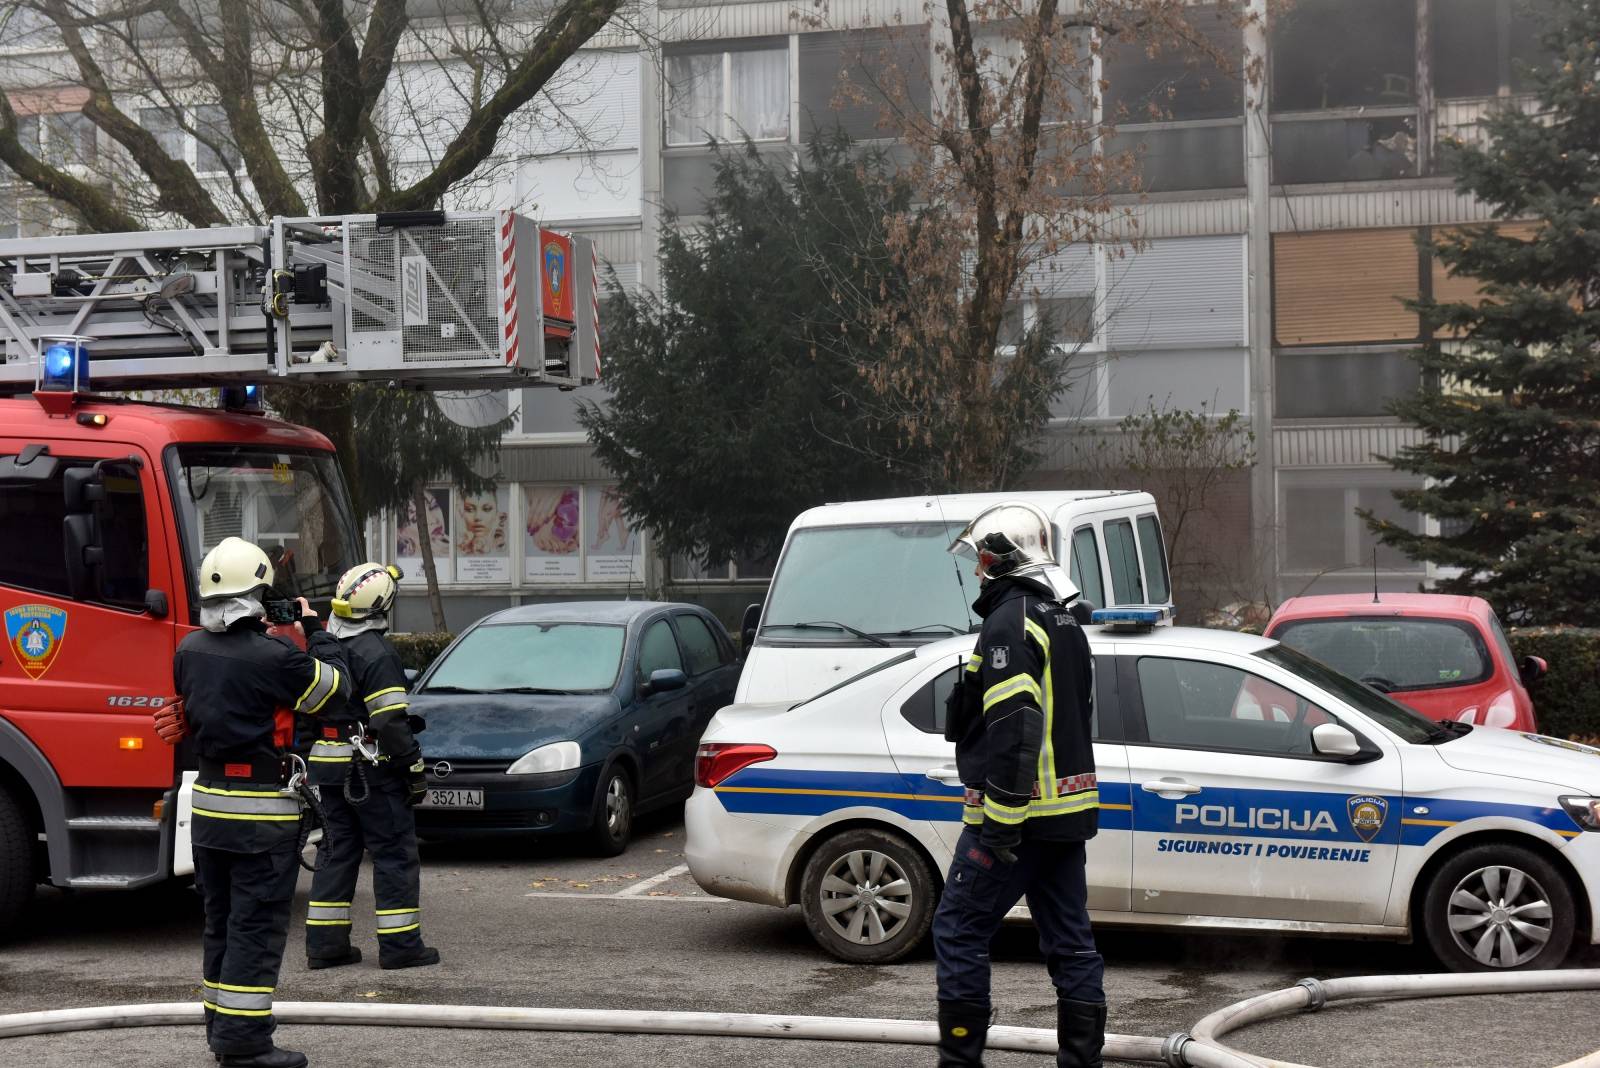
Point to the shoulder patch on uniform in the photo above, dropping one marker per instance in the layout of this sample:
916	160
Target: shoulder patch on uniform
999	657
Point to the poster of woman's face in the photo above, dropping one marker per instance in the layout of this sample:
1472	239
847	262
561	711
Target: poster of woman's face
482	549
551	530
408	547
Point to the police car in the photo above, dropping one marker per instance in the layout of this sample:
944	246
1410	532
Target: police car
1243	786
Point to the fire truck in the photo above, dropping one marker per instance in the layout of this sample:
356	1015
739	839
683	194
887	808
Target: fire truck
107	504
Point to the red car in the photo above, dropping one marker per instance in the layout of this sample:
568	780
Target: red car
1445	656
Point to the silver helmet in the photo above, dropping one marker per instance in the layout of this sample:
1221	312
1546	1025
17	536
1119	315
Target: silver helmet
1015	535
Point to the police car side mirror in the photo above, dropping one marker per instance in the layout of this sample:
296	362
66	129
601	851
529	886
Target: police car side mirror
1333	740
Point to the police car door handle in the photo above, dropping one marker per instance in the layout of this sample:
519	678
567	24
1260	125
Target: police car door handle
946	775
1176	787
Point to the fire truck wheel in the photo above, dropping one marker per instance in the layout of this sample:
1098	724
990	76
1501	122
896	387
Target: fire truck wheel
16	861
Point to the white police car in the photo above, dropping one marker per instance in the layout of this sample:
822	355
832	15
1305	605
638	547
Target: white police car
1243	786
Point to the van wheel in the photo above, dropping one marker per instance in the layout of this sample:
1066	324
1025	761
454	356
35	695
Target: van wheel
1499	908
612	824
16	862
867	896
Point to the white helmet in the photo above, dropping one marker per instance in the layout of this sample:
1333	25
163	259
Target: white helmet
1008	539
365	591
235	568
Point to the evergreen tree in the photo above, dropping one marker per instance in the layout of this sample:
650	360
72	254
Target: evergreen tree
1512	410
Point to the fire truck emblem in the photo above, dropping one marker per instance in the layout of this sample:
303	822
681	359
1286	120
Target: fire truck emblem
34	632
1367	815
555	267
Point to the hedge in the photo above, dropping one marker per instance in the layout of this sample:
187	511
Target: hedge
1566	701
420	650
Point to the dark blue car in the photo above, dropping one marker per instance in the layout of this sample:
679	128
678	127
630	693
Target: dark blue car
569	718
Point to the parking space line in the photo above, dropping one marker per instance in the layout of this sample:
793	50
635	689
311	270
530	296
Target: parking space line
644	886
570	895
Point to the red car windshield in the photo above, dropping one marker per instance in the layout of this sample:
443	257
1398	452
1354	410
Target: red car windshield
1394	653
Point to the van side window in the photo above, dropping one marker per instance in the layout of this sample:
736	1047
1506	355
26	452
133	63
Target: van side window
32	553
1155	559
1122	553
1085	570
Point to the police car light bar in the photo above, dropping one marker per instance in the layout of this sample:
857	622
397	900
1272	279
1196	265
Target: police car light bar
1130	619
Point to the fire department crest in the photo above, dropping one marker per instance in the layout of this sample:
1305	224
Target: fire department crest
555	266
999	657
1367	815
35	632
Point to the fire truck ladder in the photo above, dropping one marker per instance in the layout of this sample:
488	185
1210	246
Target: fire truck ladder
439	300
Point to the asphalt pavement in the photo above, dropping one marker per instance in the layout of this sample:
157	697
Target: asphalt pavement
538	924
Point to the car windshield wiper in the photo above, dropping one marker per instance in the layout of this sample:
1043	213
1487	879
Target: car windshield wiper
828	624
909	631
448	689
1447	730
527	689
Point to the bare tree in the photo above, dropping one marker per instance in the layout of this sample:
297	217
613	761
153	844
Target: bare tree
1008	155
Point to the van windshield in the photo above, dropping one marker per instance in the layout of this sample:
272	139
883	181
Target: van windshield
850	585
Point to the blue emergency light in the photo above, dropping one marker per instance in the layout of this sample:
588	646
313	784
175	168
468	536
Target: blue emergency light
1128	618
242	399
64	366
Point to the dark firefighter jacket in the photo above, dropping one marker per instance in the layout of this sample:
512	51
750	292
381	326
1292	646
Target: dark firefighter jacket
1027	760
233	685
377	700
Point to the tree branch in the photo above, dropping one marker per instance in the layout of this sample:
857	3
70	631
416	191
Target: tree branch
95	208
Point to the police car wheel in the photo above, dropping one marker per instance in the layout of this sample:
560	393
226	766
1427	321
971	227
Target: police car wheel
16	861
867	896
612	824
1499	908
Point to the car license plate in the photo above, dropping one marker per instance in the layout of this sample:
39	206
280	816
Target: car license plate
438	798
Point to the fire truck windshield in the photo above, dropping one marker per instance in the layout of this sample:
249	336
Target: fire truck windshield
291	503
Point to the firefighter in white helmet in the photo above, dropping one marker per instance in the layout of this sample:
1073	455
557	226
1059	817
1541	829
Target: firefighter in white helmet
1020	721
239	690
368	801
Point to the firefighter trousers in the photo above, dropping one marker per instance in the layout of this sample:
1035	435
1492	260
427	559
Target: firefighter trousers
978	892
383	825
247	899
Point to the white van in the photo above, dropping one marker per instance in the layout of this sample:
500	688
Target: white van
858	580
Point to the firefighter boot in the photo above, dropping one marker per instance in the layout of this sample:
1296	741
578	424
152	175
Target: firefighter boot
272	1058
421	959
963	1026
349	956
1080	1033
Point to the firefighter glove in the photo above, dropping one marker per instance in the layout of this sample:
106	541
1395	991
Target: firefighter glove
416	783
171	724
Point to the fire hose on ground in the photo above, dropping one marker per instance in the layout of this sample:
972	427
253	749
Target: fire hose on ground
1201	1047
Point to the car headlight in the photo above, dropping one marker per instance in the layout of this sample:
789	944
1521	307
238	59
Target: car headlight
1585	811
557	756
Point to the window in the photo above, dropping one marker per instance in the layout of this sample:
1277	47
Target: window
1177	83
1344	53
700	646
577	657
163	124
859	56
1394	653
925	709
1122	553
1154	554
1085	567
658	651
1481	47
721	96
214	147
1322	532
69	137
1361	149
32	517
1196	156
1199	705
1320	385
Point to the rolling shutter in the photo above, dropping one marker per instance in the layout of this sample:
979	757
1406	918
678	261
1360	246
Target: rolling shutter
1344	286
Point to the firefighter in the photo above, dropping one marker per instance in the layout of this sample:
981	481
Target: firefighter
239	689
1020	718
368	805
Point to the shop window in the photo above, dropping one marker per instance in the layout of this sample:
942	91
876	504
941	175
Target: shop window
728	95
1319	385
1344	53
1177	83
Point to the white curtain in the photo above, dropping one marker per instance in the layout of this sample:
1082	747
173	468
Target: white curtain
760	104
694	98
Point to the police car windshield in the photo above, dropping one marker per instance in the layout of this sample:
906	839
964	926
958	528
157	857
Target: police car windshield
885	581
292	504
1409	726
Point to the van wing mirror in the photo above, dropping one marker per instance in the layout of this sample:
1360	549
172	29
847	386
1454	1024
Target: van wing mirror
748	626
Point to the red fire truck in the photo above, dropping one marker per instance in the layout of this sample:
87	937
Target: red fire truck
107	505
